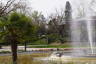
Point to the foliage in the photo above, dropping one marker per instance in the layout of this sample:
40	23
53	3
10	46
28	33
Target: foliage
17	28
20	24
39	20
52	38
68	11
40	42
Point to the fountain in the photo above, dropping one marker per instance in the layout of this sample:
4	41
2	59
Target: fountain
83	42
89	28
83	35
83	39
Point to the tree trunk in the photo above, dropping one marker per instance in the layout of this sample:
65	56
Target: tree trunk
14	52
25	46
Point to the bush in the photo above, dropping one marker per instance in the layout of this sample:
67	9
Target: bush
53	38
5	52
39	42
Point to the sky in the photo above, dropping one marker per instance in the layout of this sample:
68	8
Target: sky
48	7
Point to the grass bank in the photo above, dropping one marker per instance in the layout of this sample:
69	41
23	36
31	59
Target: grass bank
67	45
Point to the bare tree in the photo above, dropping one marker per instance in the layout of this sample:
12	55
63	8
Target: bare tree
5	8
23	7
60	22
81	10
92	6
56	20
58	15
11	5
86	8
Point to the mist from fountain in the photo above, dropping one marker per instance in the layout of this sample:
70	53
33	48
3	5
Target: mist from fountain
83	34
89	28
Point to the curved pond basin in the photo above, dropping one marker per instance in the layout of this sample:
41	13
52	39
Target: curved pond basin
55	58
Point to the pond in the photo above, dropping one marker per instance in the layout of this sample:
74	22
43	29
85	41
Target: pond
72	61
67	58
49	58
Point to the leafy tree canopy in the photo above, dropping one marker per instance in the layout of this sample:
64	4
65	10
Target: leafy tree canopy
18	26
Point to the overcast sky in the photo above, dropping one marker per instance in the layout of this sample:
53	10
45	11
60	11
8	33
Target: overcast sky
49	6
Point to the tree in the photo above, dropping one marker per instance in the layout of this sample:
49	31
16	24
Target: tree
56	22
68	11
81	10
53	24
8	6
17	28
68	18
60	22
23	7
86	8
92	7
40	21
58	15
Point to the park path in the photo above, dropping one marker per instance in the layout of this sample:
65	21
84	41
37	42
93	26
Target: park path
29	50
8	48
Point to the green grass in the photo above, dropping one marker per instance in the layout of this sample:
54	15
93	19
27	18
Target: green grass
4	52
39	42
49	46
52	45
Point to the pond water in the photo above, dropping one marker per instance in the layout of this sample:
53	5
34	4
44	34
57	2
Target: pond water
67	59
83	61
72	61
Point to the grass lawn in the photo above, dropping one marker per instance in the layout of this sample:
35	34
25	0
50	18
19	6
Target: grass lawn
51	46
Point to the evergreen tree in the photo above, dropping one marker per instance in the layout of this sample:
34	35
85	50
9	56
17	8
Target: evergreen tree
68	12
68	17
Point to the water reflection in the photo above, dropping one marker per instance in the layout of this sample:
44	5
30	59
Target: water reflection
65	57
72	61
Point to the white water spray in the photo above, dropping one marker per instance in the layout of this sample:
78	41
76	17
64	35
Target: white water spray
89	28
